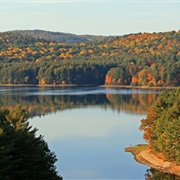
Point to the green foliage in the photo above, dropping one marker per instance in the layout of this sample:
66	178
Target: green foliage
162	125
23	155
34	57
119	76
136	149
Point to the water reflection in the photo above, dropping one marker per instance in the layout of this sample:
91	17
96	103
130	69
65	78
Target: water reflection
40	101
87	123
87	127
89	142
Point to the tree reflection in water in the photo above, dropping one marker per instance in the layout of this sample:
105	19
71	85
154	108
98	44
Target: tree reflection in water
37	103
153	174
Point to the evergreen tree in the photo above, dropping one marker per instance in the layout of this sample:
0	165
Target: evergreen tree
22	154
162	125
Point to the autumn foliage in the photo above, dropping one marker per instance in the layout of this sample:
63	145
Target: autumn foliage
162	125
134	59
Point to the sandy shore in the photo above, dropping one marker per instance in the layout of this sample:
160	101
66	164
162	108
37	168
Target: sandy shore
145	157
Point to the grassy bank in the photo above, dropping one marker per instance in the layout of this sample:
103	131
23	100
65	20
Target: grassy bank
136	149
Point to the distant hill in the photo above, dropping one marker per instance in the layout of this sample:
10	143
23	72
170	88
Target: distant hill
59	36
143	59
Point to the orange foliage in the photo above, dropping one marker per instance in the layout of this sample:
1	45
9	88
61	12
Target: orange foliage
150	98
150	76
90	51
63	55
147	124
105	45
83	52
108	96
70	50
134	80
108	79
42	81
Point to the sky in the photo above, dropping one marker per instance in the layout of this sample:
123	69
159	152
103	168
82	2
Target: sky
95	17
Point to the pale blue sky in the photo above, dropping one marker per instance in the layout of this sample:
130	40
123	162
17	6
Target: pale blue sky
97	17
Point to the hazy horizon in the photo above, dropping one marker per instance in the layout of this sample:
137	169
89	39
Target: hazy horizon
84	34
90	17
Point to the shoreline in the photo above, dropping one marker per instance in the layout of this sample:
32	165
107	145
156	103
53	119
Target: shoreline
138	87
84	85
150	159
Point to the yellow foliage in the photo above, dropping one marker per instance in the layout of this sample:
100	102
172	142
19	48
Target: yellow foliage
38	60
82	44
51	49
42	81
52	44
34	52
104	54
70	50
62	49
63	55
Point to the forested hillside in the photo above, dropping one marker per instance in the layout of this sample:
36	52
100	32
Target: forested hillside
58	36
135	59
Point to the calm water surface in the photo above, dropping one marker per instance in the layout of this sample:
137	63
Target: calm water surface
87	127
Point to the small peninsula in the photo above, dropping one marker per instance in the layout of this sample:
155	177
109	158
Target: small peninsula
162	132
147	157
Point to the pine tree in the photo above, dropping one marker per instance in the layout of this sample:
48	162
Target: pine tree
162	125
22	154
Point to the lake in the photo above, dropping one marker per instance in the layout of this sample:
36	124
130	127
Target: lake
87	127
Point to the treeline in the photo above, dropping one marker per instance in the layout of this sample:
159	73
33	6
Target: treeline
162	125
59	36
135	59
64	72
